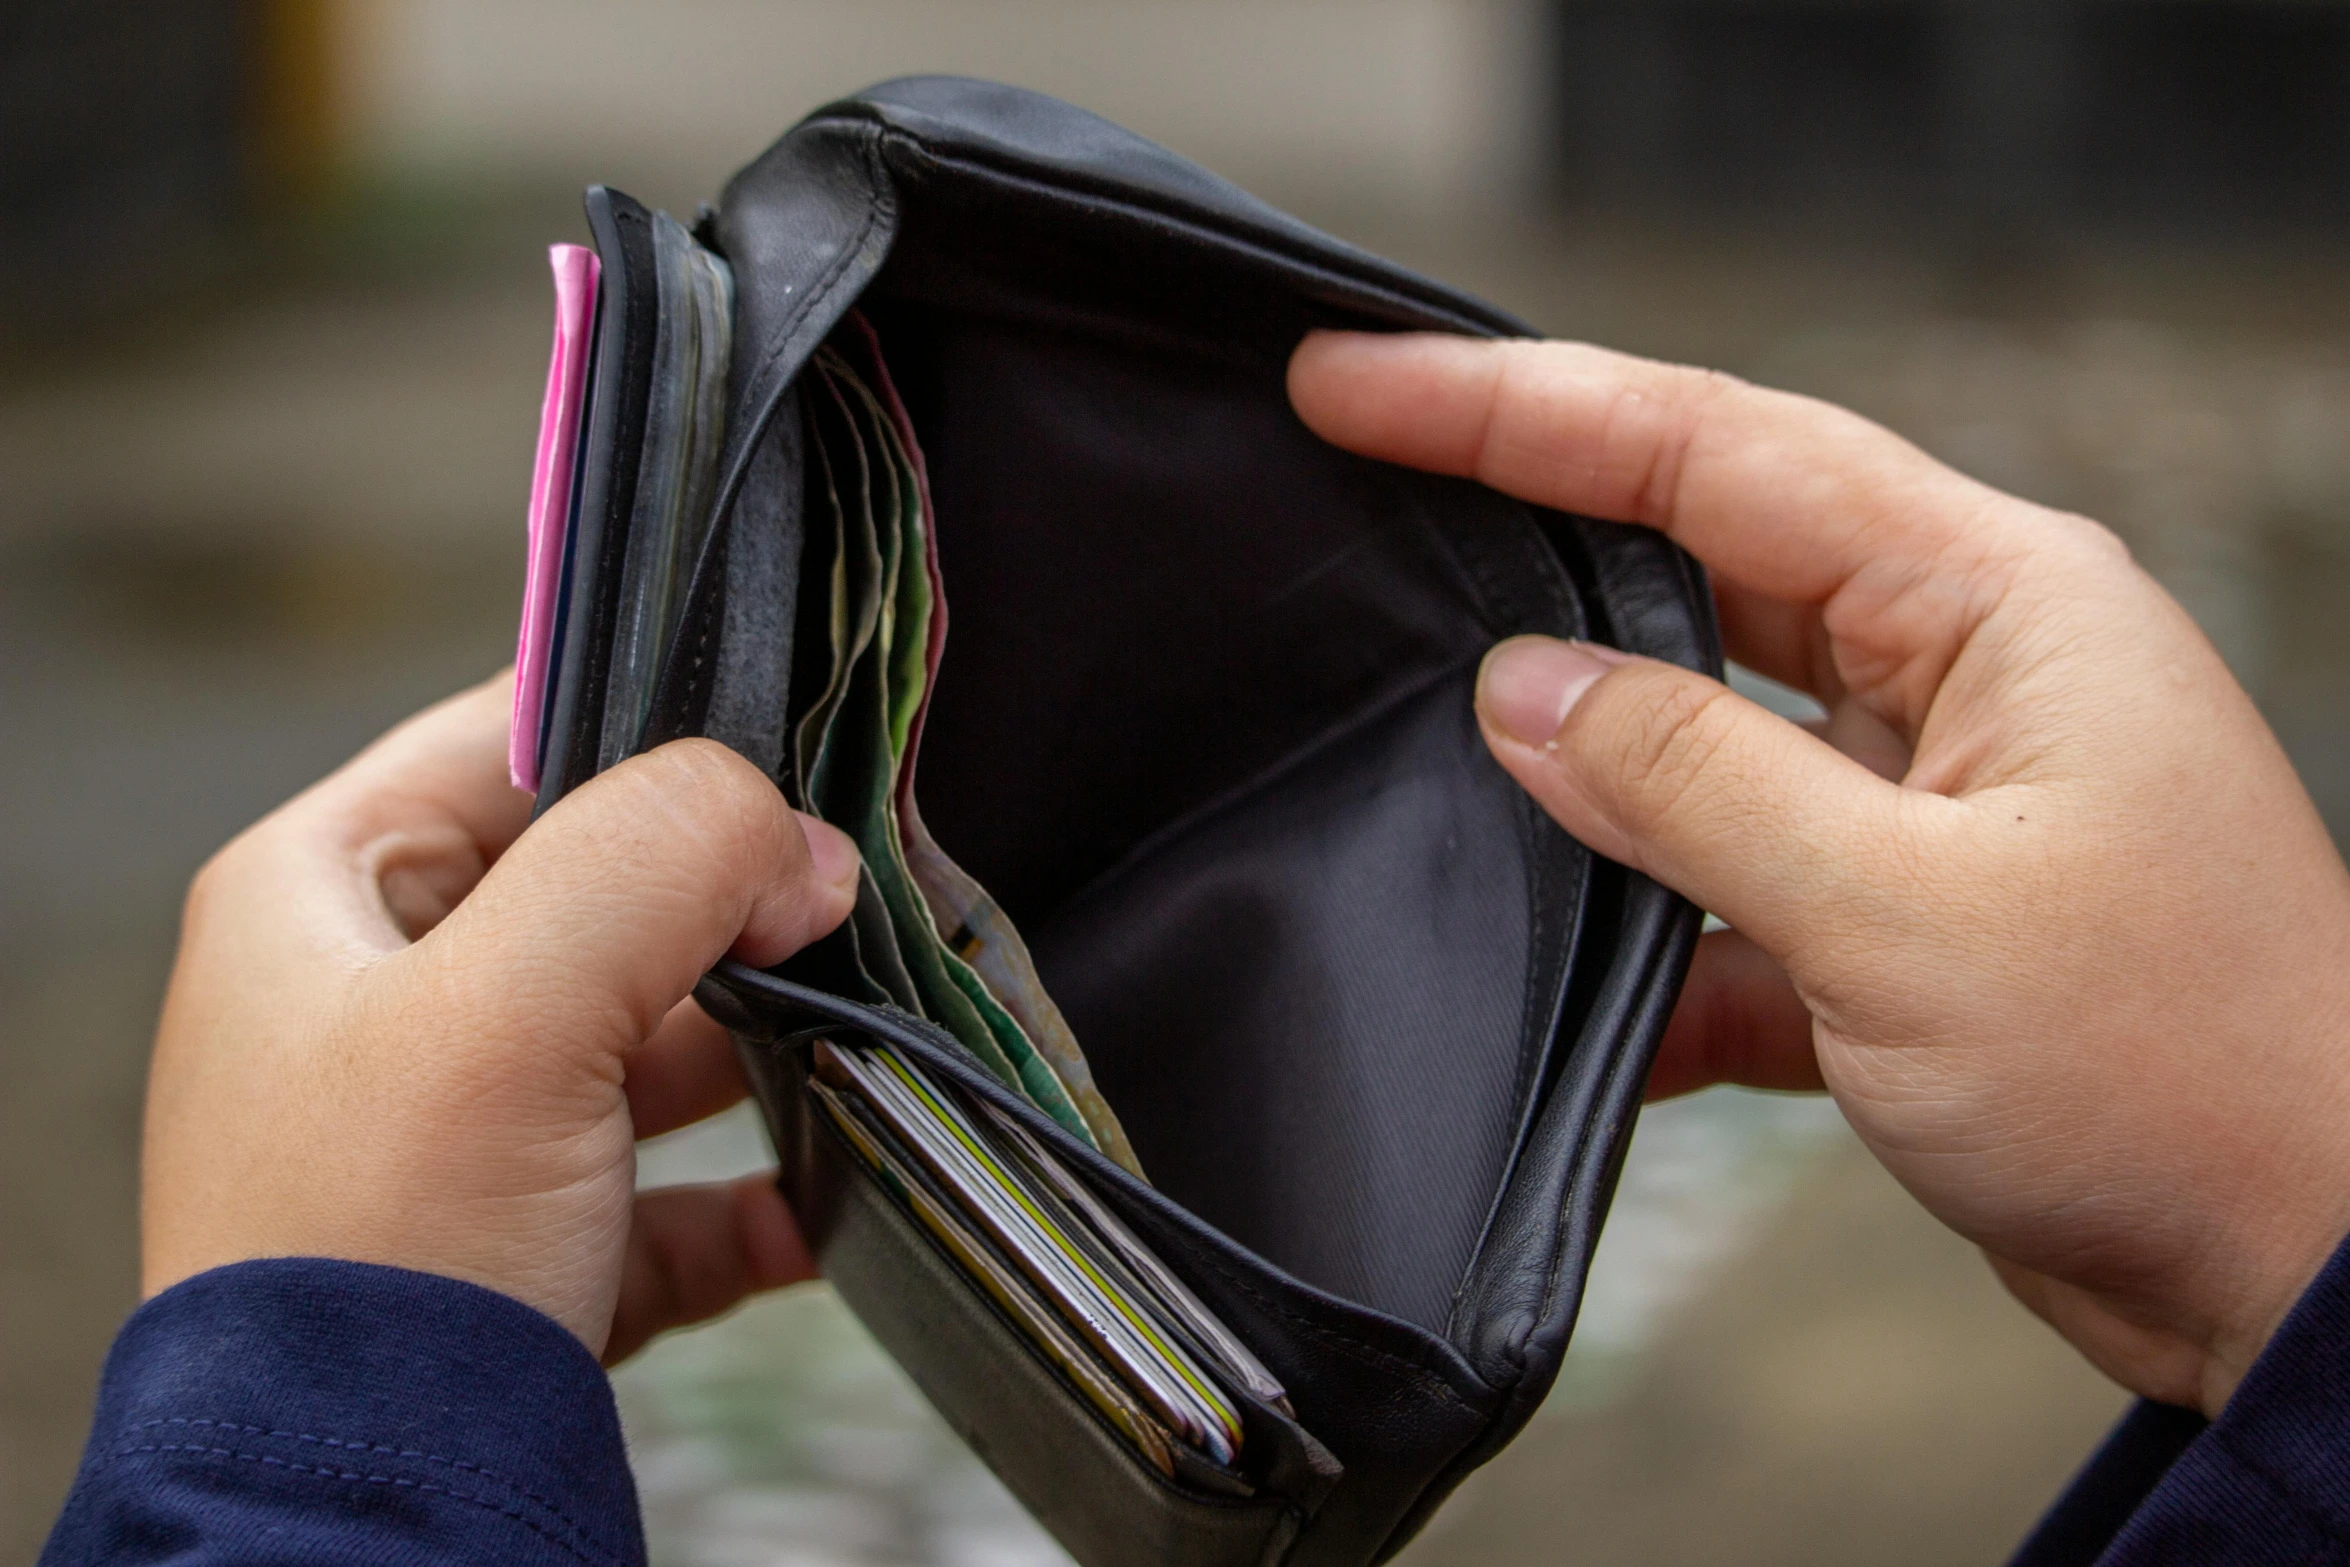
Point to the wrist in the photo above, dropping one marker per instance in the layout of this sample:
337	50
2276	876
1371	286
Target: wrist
2153	1347
2242	1335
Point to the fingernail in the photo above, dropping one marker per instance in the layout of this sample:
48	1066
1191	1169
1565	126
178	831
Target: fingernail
833	851
1530	684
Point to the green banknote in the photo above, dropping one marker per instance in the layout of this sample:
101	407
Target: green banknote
982	935
852	781
906	643
969	923
838	512
856	745
854	774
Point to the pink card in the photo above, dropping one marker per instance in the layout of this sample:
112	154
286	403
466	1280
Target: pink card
576	271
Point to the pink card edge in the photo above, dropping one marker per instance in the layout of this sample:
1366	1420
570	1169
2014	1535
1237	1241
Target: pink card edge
576	272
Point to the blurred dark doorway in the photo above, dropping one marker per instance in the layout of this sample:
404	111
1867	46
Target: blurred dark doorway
137	137
2185	113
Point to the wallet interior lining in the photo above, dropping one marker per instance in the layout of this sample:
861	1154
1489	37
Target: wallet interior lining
1307	1002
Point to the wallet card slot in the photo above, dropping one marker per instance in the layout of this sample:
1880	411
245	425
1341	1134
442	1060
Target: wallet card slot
1078	1474
1393	1394
1401	1366
919	1131
985	1265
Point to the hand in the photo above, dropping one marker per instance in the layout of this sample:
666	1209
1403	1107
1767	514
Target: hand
2078	972
403	1030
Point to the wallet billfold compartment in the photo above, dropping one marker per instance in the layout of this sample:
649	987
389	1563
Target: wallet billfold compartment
1253	1212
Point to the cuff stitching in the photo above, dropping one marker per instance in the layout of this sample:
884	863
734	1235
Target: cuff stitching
373	1448
2325	1528
580	1545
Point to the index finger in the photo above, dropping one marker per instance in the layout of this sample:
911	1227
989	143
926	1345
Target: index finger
1778	493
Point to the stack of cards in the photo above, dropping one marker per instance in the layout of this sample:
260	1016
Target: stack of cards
1140	1347
621	508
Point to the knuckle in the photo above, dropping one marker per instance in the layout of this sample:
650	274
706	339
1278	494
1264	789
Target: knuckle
205	887
2090	538
1656	422
702	781
700	767
1668	740
216	879
713	799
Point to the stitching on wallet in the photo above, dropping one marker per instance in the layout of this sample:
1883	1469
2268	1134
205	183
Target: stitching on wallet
1542	1052
1534	1051
521	1515
1497	595
738	471
1558	1234
881	200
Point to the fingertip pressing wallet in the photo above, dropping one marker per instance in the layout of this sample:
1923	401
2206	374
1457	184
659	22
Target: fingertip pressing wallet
1214	1099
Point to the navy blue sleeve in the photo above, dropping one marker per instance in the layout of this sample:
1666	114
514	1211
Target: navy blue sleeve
316	1412
2269	1481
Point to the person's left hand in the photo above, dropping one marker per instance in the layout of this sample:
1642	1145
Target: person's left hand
402	1030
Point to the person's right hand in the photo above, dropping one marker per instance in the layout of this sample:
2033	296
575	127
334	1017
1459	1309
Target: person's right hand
2080	977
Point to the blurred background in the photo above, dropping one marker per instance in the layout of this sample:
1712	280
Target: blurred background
273	320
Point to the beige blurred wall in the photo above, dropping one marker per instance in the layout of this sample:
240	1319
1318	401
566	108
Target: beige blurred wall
1417	104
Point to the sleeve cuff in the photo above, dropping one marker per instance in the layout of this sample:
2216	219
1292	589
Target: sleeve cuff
306	1410
2268	1481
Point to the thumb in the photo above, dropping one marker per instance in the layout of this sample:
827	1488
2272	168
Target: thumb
608	909
1679	777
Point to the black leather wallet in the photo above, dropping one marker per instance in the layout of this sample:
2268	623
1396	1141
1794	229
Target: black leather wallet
1374	1025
